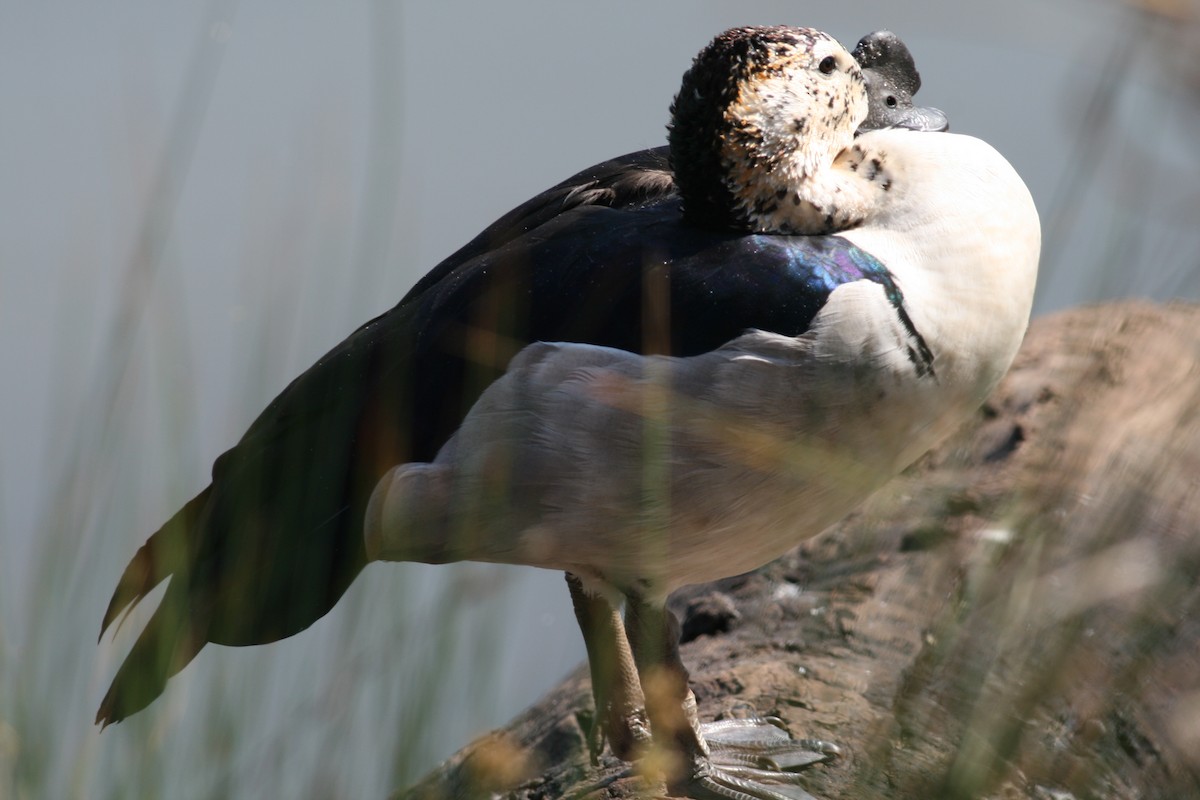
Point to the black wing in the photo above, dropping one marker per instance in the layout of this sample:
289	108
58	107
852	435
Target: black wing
272	543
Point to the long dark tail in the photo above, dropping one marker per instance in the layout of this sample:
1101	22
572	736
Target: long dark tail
166	646
169	640
163	554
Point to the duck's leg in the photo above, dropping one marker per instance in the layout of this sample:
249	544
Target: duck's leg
734	759
616	689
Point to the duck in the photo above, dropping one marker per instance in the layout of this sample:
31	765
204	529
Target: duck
798	285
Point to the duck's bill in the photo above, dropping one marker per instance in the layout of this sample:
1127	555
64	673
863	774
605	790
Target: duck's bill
921	118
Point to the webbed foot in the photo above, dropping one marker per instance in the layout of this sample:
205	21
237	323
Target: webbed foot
755	759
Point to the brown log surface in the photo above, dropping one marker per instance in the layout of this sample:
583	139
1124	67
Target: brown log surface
1015	617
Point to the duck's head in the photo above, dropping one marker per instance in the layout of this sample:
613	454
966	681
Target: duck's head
758	122
892	80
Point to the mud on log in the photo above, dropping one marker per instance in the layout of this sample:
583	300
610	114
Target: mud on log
1018	616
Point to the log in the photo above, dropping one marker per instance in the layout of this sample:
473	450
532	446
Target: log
1014	617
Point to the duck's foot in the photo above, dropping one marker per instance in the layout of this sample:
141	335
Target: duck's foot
763	743
754	759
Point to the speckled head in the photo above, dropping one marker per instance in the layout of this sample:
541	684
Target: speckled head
761	111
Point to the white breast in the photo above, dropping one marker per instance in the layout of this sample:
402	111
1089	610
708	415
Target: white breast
961	234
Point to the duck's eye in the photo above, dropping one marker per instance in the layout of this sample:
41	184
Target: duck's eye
890	102
827	65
